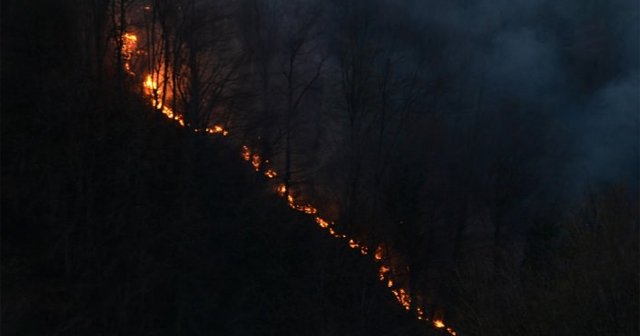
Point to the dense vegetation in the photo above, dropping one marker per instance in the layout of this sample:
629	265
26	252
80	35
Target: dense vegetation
116	221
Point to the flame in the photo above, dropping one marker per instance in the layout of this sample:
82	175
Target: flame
131	40
129	45
438	324
323	223
150	84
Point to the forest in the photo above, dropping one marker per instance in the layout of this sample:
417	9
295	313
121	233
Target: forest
310	167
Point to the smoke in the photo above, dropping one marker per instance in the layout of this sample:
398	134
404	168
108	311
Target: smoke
573	63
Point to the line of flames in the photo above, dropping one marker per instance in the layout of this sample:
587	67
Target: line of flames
401	294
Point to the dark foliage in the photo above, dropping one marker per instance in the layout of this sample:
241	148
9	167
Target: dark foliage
423	132
115	222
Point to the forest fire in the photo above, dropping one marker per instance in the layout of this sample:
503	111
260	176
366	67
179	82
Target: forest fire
199	165
129	45
151	89
258	163
150	84
403	297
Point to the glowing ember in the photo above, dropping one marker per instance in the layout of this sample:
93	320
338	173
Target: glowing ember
270	173
379	253
364	250
281	189
323	223
403	297
256	161
246	153
383	271
308	209
217	129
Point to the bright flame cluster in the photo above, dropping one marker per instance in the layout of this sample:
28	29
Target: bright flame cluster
129	46
380	256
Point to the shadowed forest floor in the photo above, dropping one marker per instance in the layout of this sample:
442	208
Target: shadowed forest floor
120	223
117	222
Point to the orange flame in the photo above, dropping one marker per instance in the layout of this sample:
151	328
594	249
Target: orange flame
129	44
323	223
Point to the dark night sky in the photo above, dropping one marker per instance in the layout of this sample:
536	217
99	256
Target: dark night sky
576	61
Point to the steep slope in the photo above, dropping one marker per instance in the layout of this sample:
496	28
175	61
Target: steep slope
115	221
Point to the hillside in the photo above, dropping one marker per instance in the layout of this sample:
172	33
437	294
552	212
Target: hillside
121	223
251	167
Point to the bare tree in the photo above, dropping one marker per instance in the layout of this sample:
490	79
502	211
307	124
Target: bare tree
302	64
